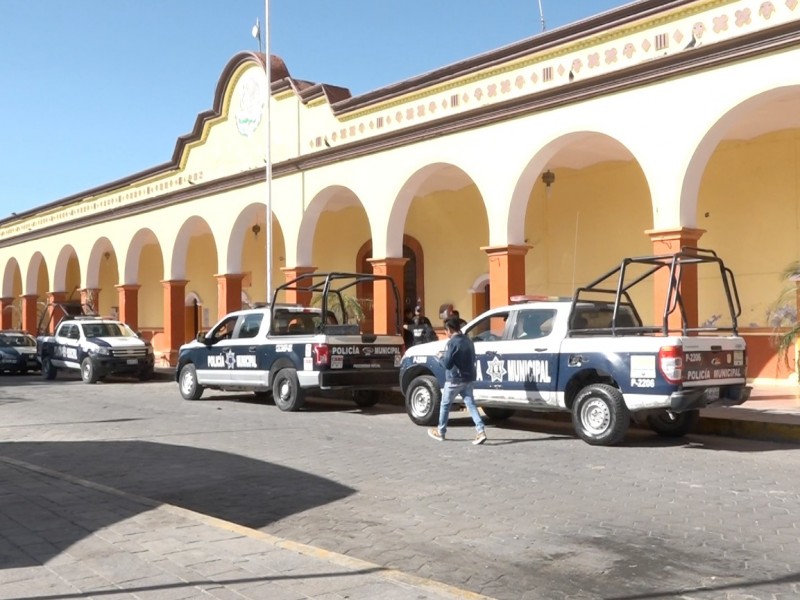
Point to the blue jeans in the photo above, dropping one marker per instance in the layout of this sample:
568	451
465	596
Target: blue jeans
449	393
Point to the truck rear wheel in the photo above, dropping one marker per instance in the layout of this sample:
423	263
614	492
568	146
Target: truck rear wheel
423	398
365	398
286	391
670	424
497	414
187	383
600	416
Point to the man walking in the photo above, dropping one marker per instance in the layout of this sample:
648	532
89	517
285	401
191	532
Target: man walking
459	363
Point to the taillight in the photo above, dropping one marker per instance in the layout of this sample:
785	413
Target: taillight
322	354
670	363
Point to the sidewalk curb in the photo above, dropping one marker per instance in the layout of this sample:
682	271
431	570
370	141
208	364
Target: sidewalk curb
750	429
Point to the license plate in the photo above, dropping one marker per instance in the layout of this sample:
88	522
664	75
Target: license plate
132	361
337	361
711	393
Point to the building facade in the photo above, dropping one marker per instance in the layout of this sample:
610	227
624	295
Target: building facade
531	169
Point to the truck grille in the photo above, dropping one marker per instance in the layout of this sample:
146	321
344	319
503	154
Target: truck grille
129	352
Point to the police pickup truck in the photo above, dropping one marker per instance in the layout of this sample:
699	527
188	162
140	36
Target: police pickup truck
95	346
591	355
286	350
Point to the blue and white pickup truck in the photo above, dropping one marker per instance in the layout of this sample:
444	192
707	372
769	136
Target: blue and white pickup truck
284	351
591	355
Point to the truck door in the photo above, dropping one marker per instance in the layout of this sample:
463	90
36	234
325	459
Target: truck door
219	360
244	345
487	335
530	354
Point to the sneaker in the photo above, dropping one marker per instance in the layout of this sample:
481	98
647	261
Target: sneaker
479	439
434	433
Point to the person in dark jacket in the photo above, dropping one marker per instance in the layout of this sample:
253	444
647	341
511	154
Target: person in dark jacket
420	328
458	361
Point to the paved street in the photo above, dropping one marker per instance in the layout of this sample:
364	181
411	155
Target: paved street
532	514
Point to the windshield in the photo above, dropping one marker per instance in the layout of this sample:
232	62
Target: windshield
18	340
107	330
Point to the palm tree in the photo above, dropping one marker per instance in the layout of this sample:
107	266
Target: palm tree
783	315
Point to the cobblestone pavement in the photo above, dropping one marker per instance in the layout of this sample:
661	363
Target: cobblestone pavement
532	514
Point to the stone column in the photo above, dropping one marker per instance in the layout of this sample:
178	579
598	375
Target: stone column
295	296
229	293
30	318
506	273
128	300
56	314
670	241
174	315
6	314
385	306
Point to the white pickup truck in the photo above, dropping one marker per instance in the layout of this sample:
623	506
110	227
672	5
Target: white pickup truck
284	351
591	355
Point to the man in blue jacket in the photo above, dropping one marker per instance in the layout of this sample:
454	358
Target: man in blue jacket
458	360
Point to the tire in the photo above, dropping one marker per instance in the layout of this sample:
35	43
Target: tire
423	398
187	383
497	414
599	415
49	370
365	398
263	396
147	374
286	391
88	372
670	424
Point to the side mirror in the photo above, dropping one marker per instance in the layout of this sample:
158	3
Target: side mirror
201	337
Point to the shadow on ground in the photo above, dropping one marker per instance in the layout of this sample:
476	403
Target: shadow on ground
235	488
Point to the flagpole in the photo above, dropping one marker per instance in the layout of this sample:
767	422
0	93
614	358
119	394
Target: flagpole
268	158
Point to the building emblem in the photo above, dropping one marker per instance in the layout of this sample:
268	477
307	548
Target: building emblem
251	102
496	369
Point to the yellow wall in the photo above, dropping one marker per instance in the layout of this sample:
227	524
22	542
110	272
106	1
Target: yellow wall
606	208
151	294
750	205
452	227
338	238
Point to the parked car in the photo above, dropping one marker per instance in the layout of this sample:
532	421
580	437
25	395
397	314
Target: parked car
18	351
97	347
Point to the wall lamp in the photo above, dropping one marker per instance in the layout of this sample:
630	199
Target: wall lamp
548	178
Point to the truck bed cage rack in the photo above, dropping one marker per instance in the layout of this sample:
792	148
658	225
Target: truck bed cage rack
334	284
614	283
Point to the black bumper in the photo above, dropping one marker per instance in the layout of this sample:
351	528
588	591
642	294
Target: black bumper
110	365
695	398
359	378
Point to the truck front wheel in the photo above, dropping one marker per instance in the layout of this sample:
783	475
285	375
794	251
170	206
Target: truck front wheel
49	370
88	372
423	398
286	391
670	424
600	416
187	383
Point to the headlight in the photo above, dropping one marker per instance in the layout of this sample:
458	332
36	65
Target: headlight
149	350
101	350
